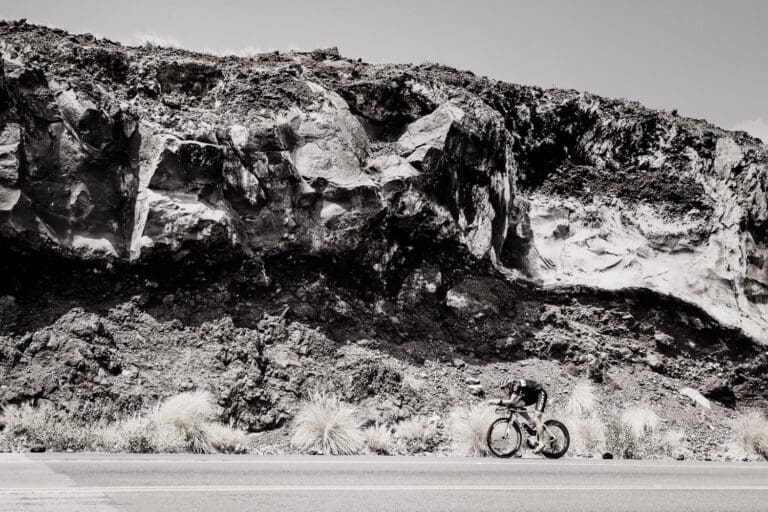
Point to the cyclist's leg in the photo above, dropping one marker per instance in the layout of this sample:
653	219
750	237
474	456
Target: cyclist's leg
541	404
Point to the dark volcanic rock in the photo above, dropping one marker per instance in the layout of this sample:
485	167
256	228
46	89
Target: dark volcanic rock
138	153
262	227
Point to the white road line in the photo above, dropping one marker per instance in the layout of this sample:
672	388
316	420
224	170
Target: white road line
360	488
516	464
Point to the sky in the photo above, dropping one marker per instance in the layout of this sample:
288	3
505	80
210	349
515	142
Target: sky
706	58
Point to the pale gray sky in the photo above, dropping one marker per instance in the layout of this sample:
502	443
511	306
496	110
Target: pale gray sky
706	58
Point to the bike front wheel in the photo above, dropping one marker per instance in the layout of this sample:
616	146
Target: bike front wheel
504	438
556	440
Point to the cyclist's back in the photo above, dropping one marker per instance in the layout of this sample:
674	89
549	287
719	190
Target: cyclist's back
529	391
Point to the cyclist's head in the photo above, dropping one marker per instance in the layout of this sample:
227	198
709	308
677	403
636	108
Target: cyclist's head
505	382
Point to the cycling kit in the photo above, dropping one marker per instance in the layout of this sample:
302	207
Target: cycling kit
531	392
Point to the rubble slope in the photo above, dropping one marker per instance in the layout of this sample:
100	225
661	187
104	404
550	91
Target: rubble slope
264	226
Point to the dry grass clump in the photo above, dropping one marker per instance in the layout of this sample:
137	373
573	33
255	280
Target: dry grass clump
183	423
325	425
468	429
751	433
588	432
670	443
588	435
635	434
151	41
45	425
620	441
582	401
417	434
136	434
641	421
378	439
227	439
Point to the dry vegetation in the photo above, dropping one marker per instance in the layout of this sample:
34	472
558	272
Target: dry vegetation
751	433
183	423
150	41
588	432
633	434
379	440
468	429
327	426
415	435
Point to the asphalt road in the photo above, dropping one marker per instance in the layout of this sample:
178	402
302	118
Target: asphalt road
86	483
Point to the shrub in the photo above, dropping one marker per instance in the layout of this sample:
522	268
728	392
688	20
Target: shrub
379	440
670	443
186	417
588	435
620	441
641	421
581	403
136	434
469	428
325	425
226	439
44	425
751	433
416	434
181	424
635	434
150	41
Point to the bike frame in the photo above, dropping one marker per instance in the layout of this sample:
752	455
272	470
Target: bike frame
515	417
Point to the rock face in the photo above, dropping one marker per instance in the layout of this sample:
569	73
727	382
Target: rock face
657	202
118	154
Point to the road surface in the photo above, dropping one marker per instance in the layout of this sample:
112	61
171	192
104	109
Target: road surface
86	483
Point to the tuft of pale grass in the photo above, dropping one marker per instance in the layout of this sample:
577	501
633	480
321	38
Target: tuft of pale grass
588	435
635	434
135	434
187	416
671	443
190	408
150	40
181	424
325	425
581	402
379	439
751	433
468	429
416	434
226	439
45	425
641	421
620	441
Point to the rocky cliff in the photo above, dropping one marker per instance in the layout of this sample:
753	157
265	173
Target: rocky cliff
131	154
413	204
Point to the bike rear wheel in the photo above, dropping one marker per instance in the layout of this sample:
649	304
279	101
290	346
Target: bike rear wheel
504	438
556	440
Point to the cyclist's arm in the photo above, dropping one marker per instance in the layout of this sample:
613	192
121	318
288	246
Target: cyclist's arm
514	400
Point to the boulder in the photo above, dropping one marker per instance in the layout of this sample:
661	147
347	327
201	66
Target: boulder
696	396
476	389
663	340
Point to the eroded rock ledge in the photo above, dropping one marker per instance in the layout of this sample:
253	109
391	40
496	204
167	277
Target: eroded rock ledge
122	154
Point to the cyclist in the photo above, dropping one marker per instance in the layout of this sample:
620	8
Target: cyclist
525	393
